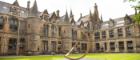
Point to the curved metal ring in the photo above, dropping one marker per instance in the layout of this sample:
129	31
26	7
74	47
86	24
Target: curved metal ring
86	52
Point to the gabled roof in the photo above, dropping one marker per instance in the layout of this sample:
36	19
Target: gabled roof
53	15
82	23
16	3
73	21
45	11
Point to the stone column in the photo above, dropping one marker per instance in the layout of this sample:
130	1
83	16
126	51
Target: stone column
125	46
100	32
6	24
57	46
107	34
116	46
4	45
4	38
134	45
124	32
49	45
108	46
115	33
49	33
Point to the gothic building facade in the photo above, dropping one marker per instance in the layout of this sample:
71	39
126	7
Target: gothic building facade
28	31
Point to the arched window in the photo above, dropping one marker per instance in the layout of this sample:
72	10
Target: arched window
13	24
46	30
1	22
53	30
83	36
74	35
60	31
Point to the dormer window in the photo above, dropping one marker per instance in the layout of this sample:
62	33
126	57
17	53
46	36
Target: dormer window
128	20
111	23
1	22
15	10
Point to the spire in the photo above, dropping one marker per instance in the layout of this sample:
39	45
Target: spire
82	23
28	8
72	20
96	7
90	15
57	13
71	14
66	17
16	3
35	9
80	15
101	18
28	5
53	15
96	13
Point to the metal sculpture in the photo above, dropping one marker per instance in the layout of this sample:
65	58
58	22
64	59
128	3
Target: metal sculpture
81	57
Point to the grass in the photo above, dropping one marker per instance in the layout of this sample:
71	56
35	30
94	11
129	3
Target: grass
96	56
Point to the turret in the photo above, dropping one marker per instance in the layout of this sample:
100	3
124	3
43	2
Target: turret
66	19
34	10
96	14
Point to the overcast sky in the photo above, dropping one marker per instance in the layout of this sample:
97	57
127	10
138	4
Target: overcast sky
107	8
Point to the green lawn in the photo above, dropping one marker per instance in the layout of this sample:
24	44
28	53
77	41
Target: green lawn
96	56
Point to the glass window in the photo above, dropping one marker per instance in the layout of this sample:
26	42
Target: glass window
1	22
46	30
120	32
13	24
111	33
60	31
53	31
128	31
97	35
103	34
74	34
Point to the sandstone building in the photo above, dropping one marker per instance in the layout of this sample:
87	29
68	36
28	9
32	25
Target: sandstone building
26	30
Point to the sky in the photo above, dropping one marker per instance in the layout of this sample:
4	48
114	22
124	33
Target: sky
107	8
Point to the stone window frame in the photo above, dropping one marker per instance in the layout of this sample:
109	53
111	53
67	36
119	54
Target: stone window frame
13	22
74	34
111	33
103	34
120	32
97	35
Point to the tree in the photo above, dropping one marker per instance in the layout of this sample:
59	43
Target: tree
136	17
